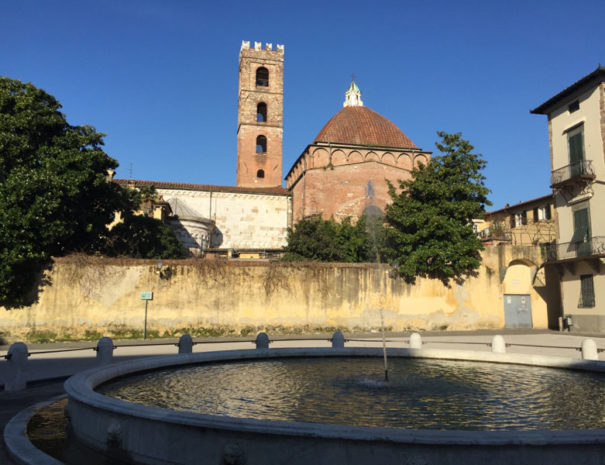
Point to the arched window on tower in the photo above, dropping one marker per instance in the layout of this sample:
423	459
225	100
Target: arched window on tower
260	174
261	144
261	112
262	77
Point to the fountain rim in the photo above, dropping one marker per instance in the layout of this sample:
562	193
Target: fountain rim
81	388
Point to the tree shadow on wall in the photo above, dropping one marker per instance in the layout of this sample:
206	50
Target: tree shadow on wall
28	279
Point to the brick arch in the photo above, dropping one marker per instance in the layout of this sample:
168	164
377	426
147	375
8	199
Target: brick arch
355	157
320	158
371	156
388	158
420	158
404	161
339	158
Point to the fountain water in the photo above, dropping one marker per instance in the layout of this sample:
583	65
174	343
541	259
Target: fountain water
384	347
148	434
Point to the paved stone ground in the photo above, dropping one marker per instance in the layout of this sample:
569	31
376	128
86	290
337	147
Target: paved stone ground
47	372
12	403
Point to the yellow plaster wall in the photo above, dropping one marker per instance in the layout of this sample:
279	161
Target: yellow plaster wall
90	296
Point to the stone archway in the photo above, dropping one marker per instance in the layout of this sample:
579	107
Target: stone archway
517	293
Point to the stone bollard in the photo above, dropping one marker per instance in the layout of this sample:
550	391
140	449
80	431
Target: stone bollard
415	341
498	345
262	341
589	350
17	359
185	344
338	340
105	351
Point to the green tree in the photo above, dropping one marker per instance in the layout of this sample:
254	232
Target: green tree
54	193
142	237
429	231
329	241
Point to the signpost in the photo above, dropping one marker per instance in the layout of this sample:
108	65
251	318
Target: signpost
146	296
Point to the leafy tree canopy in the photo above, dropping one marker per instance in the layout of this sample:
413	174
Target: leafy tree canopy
142	237
329	241
429	224
55	197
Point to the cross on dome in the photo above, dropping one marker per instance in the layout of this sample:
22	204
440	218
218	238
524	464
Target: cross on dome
353	96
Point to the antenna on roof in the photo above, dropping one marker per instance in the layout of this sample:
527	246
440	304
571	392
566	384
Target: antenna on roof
130	170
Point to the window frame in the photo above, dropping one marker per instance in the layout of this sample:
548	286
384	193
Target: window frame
261	81
259	107
587	294
261	141
576	156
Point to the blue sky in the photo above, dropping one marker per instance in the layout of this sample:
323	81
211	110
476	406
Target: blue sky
160	77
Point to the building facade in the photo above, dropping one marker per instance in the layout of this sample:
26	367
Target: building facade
526	223
344	171
225	218
576	130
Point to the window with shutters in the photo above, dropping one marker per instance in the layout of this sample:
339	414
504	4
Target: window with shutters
581	226
575	141
542	213
581	232
520	219
587	299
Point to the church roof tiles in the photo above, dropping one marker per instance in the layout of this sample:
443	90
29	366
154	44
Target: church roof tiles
358	125
203	187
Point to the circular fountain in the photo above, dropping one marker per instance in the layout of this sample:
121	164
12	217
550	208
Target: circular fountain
223	434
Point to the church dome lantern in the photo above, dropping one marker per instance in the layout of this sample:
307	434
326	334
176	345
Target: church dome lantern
355	124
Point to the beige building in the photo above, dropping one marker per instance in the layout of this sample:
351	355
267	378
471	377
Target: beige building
225	219
525	223
576	129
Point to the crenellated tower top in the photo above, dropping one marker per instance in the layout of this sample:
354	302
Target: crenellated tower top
258	47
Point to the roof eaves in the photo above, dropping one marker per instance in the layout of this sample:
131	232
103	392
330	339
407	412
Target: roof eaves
597	75
521	204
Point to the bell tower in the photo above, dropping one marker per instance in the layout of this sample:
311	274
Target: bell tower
260	115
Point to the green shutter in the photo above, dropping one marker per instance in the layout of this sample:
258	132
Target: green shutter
587	289
581	229
576	148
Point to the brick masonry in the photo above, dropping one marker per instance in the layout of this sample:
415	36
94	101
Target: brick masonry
249	162
345	181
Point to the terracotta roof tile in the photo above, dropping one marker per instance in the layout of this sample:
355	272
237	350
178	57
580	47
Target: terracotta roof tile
362	126
204	187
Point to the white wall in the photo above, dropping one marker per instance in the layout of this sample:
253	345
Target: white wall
243	220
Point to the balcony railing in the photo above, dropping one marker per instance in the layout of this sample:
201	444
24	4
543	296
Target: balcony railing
579	170
487	235
568	250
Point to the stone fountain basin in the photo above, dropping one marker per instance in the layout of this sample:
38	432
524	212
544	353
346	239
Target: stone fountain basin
154	435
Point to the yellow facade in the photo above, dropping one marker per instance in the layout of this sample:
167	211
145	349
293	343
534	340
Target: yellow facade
89	297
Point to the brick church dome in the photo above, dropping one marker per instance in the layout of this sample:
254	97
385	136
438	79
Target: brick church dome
357	125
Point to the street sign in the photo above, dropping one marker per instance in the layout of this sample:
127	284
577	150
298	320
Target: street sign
147	295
